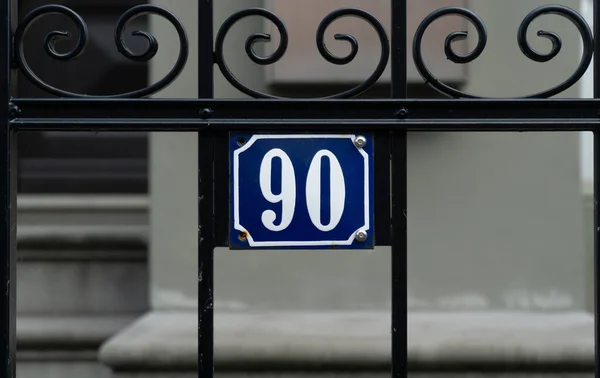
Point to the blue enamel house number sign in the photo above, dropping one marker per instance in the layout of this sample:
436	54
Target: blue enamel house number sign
301	191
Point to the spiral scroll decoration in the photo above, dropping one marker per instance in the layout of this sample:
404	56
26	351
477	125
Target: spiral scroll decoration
528	51
219	55
283	45
82	39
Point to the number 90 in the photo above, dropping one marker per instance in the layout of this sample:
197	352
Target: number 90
287	196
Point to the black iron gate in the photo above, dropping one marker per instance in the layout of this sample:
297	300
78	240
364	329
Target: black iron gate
385	122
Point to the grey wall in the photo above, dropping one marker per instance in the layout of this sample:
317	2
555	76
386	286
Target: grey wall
495	221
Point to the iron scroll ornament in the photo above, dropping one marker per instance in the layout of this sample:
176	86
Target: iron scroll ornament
152	48
75	52
283	45
568	13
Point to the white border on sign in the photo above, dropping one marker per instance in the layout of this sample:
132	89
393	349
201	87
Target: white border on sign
236	190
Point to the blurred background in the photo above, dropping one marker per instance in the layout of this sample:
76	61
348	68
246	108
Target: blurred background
500	228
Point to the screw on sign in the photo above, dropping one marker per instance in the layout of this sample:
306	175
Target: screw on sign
301	191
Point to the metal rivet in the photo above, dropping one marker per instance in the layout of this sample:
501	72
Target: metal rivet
14	111
206	113
402	113
361	236
360	141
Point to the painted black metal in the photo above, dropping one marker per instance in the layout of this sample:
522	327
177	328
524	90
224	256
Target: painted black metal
399	196
283	44
8	229
21	61
390	120
220	111
206	246
399	239
596	16
208	179
528	51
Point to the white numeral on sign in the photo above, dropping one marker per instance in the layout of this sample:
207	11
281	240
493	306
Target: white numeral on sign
337	191
287	197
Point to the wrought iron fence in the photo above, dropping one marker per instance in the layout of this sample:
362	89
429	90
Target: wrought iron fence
385	122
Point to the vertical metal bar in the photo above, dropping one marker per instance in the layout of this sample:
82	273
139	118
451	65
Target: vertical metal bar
221	168
206	246
399	49
383	187
399	256
596	10
206	218
8	202
205	49
597	250
399	196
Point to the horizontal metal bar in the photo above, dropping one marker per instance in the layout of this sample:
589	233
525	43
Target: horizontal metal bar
313	125
236	111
